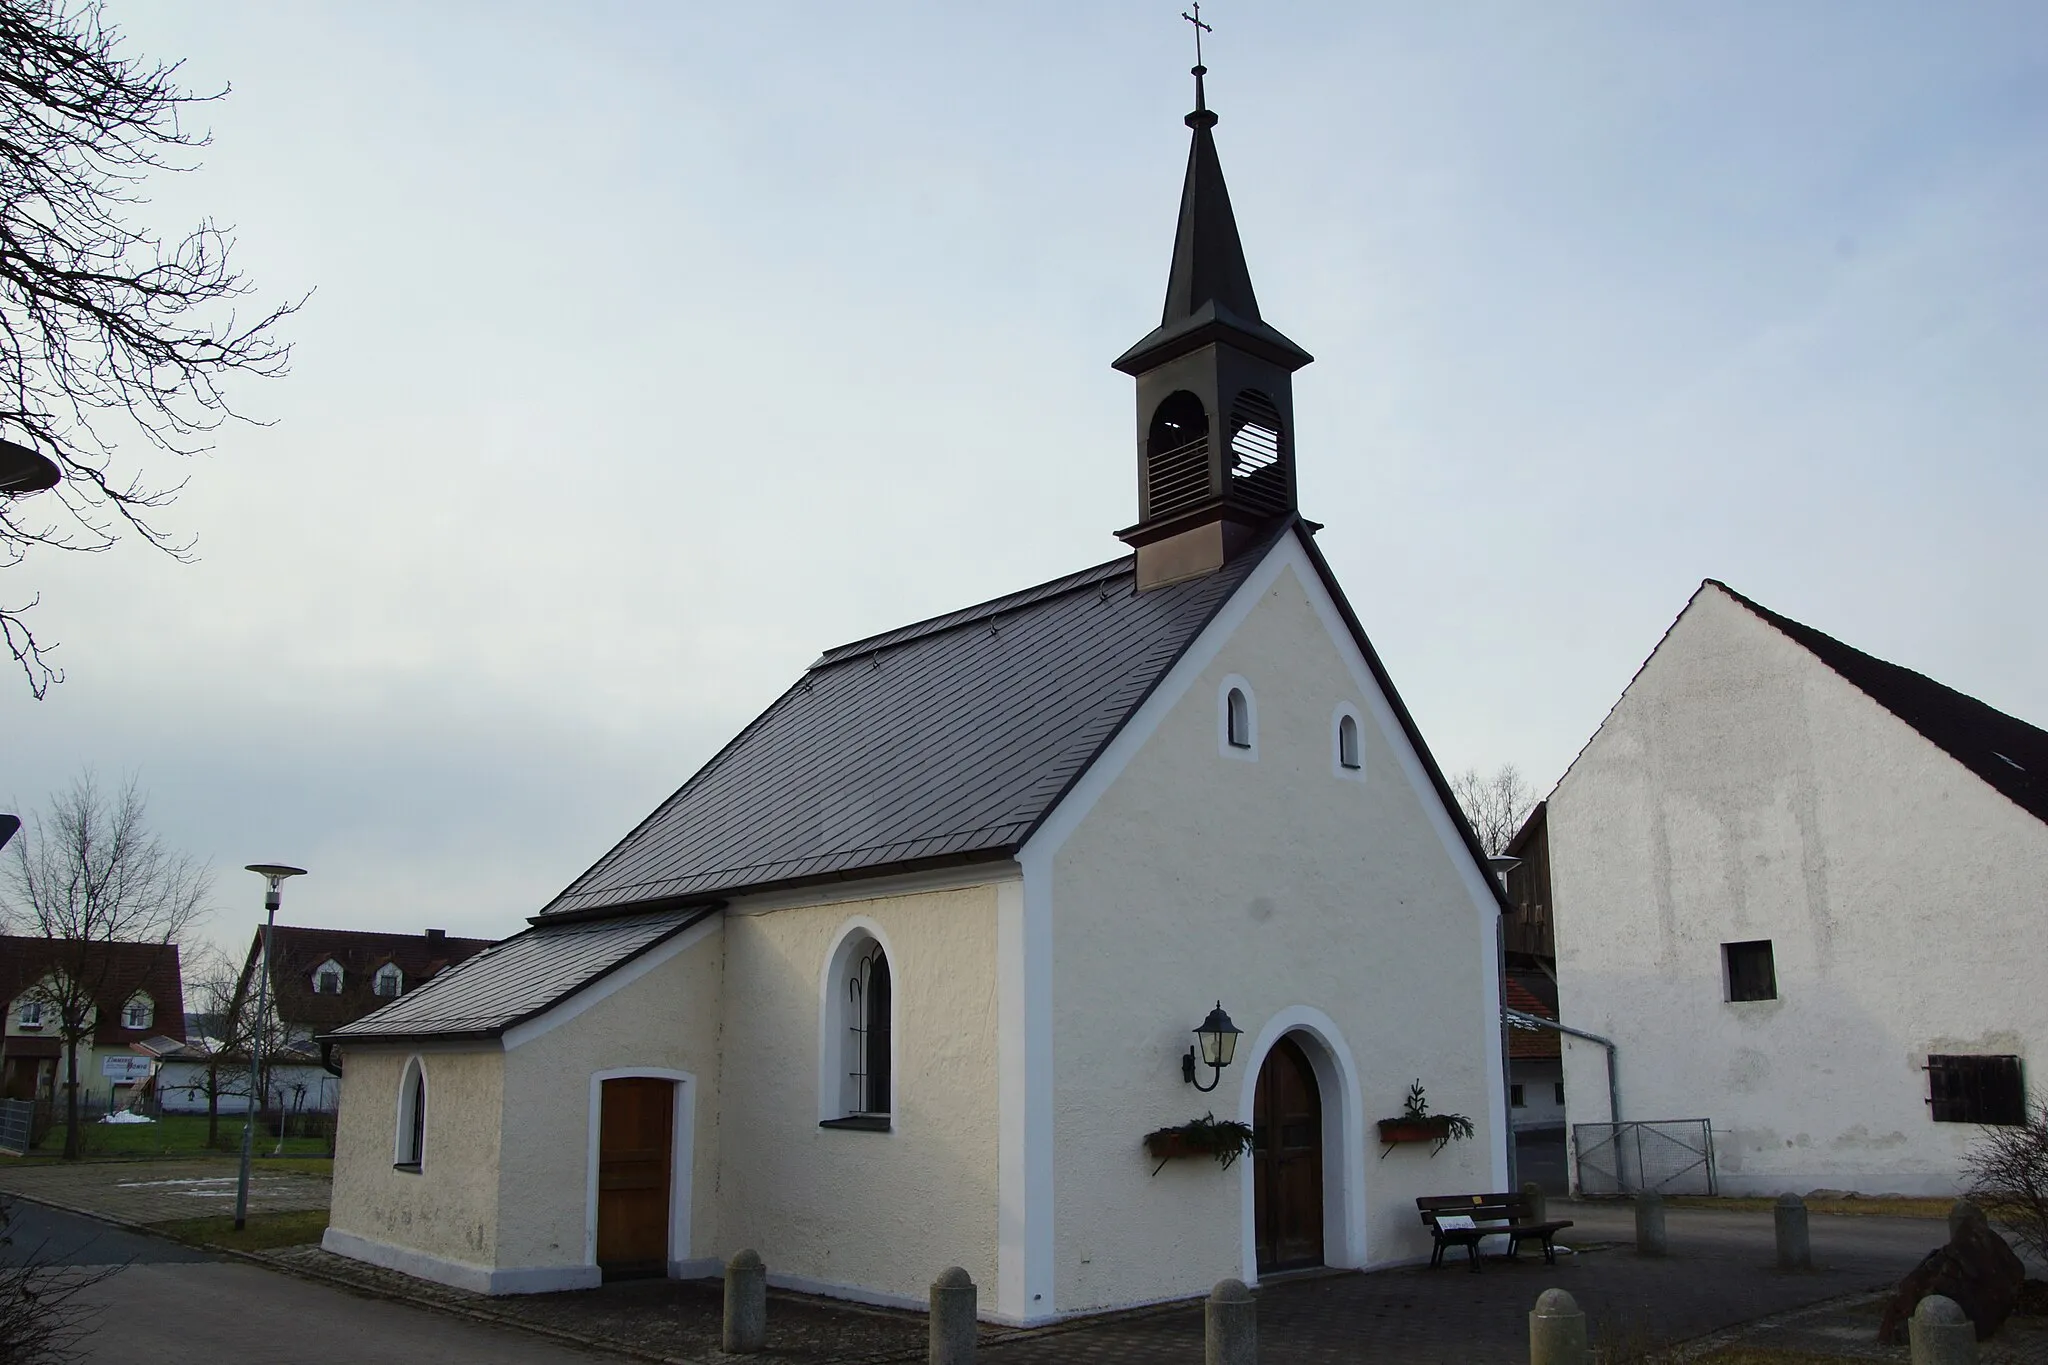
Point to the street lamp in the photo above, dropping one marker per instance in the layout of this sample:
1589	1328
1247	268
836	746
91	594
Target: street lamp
274	874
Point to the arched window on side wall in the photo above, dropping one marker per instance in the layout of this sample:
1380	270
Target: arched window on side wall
411	1150
1347	742
1240	718
869	1005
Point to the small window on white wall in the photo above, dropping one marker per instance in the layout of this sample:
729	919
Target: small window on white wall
410	1153
1347	743
1237	714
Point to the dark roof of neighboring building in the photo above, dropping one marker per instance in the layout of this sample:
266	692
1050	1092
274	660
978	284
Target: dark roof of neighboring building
517	979
300	950
2006	752
118	971
945	741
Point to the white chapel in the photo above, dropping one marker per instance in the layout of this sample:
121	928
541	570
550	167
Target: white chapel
903	976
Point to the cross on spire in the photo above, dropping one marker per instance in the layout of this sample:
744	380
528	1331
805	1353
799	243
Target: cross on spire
1200	29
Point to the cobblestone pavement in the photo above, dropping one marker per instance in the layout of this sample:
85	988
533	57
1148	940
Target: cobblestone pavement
1719	1279
161	1191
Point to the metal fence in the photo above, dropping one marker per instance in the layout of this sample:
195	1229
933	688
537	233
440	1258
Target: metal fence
17	1126
1670	1156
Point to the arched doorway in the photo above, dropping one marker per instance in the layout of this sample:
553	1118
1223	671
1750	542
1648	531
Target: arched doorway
1287	1161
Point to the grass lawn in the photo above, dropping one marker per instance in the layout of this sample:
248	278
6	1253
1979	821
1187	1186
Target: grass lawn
262	1232
172	1135
1896	1206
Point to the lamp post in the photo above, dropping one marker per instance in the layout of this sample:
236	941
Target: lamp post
274	874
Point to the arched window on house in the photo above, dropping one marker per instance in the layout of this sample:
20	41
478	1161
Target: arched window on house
1240	718
410	1153
327	978
139	1012
388	981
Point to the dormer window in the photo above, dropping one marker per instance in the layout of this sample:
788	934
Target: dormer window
327	978
389	980
138	1013
29	1014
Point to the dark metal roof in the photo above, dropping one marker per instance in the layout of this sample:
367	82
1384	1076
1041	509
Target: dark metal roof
2005	751
522	977
943	741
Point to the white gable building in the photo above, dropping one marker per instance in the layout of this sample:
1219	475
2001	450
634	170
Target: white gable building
902	977
1802	890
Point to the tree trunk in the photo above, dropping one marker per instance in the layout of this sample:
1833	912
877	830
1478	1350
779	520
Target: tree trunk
73	1147
212	1106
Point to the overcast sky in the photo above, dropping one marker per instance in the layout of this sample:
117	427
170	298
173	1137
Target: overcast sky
654	348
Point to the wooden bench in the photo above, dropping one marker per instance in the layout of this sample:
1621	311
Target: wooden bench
1492	1215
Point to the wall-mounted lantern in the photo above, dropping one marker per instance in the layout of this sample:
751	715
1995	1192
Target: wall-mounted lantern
1218	1040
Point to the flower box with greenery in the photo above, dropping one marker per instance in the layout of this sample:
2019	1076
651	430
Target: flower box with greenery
1417	1124
1223	1139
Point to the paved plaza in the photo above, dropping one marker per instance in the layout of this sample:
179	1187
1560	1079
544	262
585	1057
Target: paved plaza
1718	1286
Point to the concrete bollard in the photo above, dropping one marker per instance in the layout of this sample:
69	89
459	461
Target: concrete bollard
1557	1331
1230	1325
1539	1202
1795	1247
1650	1240
746	1303
1942	1334
953	1318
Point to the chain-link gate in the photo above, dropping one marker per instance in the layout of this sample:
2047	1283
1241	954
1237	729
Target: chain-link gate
1670	1156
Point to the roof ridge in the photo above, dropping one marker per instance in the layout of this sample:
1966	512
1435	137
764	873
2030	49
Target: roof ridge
979	611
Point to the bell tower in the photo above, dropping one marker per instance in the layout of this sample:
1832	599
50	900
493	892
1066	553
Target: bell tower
1215	391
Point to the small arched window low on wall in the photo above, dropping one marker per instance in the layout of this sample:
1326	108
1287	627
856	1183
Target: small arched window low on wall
1347	743
1237	715
410	1151
857	1068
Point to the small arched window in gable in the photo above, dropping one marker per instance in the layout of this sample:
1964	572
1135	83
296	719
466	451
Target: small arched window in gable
139	1012
410	1152
327	978
1238	718
1347	743
388	981
869	1003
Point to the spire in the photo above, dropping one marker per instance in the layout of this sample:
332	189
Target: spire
1208	287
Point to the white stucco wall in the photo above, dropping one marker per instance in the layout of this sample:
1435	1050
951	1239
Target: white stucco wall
448	1210
662	1019
1742	790
877	1215
1275	884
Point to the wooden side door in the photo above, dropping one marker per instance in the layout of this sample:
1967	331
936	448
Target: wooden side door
635	1158
1287	1161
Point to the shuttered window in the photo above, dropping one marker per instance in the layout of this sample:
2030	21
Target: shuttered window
1984	1089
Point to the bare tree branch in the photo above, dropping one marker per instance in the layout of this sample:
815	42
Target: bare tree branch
1495	805
107	330
89	879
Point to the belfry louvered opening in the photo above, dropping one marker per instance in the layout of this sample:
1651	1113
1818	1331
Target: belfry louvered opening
1177	456
1261	474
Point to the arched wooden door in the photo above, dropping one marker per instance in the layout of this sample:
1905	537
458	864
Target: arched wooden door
635	1155
1287	1161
